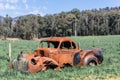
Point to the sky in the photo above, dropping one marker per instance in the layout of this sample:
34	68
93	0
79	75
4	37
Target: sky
16	8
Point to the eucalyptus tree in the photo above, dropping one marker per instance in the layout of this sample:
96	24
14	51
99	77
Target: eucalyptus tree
7	22
1	27
48	25
71	23
40	25
61	23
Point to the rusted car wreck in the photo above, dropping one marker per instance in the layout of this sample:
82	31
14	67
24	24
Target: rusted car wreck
55	53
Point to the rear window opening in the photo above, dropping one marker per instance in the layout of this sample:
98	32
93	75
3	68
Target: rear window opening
67	45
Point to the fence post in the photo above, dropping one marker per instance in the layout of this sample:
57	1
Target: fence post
9	51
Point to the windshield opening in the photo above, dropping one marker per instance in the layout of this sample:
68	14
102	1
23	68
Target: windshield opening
49	44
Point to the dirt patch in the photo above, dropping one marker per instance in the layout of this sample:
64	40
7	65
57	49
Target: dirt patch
100	78
13	39
10	39
113	78
21	39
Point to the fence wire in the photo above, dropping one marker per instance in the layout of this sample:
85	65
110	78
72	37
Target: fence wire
16	47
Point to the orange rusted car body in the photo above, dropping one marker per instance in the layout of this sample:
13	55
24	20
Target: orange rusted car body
33	65
62	52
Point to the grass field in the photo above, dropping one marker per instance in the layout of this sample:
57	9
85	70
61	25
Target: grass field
108	70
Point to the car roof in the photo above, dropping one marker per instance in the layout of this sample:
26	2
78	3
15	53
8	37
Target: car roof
59	39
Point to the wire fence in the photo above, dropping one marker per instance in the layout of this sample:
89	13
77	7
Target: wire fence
3	52
13	47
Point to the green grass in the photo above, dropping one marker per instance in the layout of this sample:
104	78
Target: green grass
110	68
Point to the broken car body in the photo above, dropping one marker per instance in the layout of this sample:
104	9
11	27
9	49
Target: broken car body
58	52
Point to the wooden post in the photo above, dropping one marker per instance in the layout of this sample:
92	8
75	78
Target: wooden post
79	45
9	51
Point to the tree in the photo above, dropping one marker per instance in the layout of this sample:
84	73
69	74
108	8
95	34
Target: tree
1	27
88	22
7	26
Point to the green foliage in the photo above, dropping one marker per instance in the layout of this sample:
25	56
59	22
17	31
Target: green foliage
6	27
104	21
89	22
110	68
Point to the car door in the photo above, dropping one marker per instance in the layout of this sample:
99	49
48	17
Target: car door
69	53
65	54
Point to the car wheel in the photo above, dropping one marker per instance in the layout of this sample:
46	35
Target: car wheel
92	63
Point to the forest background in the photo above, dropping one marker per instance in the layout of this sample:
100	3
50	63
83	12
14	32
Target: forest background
105	21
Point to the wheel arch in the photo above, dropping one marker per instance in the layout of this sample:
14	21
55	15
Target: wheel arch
88	59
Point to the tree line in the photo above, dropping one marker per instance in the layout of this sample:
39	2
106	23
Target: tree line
104	21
